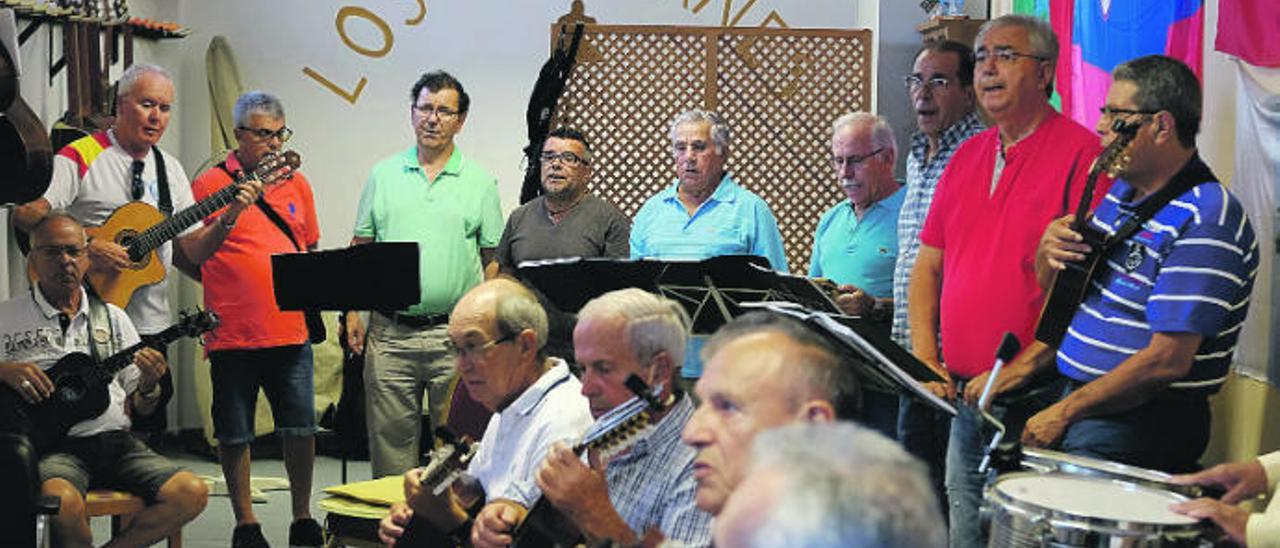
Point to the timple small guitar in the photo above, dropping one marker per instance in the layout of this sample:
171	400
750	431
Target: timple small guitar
1070	284
445	465
545	526
80	385
141	229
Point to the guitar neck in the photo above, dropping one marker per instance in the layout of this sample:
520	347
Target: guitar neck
168	229
123	358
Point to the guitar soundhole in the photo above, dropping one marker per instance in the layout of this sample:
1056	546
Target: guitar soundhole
72	390
126	238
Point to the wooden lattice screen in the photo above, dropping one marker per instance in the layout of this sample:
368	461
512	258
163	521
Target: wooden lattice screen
779	90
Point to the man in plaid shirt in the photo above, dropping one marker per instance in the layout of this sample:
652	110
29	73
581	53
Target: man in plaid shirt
941	88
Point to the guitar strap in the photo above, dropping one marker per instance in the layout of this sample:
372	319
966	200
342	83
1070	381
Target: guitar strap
316	330
164	203
1192	174
98	315
269	212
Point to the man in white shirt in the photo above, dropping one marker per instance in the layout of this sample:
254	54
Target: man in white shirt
45	324
99	173
497	333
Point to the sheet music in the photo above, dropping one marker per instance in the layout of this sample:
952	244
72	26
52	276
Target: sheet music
851	338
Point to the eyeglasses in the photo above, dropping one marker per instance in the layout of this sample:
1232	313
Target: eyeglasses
1003	56
566	157
444	114
283	133
854	160
135	185
57	251
470	349
915	83
1112	112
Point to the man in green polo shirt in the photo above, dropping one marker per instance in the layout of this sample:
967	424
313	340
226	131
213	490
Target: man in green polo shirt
433	195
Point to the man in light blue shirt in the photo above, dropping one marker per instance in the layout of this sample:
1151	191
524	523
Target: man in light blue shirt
856	244
704	213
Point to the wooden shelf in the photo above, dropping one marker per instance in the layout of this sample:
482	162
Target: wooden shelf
957	29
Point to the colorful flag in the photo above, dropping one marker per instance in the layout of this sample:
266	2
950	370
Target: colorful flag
1096	35
1245	27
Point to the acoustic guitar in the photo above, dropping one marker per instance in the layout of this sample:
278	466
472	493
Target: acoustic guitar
444	467
1071	283
545	526
80	385
141	229
25	151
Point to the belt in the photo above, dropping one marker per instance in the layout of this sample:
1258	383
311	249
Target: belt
418	321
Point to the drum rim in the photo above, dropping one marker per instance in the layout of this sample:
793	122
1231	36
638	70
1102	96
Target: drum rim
1061	519
1085	466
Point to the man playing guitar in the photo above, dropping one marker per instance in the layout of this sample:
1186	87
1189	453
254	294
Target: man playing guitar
53	320
95	175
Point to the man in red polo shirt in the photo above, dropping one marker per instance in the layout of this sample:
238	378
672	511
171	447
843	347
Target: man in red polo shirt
257	345
974	278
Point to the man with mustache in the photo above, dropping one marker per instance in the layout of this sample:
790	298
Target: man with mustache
434	195
856	241
974	277
566	221
95	175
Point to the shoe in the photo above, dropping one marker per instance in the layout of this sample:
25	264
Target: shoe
248	535
306	532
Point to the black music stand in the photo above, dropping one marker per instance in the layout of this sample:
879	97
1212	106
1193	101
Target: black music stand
883	365
379	276
712	290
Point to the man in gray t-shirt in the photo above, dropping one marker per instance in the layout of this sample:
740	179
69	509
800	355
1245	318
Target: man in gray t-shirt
566	221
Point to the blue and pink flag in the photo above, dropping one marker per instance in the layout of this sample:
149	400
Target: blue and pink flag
1096	35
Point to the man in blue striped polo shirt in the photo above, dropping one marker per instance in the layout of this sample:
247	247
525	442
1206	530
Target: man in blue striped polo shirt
1156	331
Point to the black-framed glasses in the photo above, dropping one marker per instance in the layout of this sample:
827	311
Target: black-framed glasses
1112	112
1003	56
566	157
283	134
915	83
854	160
135	184
471	349
57	251
443	114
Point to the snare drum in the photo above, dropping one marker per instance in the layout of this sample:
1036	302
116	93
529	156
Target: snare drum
1061	510
1045	461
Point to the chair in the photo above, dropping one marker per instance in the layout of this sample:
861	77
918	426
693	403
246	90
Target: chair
121	507
26	516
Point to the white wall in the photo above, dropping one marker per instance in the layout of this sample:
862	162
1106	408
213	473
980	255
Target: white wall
494	47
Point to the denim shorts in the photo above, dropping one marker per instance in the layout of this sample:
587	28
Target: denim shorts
284	373
112	460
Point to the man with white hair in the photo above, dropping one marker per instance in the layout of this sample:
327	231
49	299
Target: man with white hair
97	174
704	212
829	485
856	243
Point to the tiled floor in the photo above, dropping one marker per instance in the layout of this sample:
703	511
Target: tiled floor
212	529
